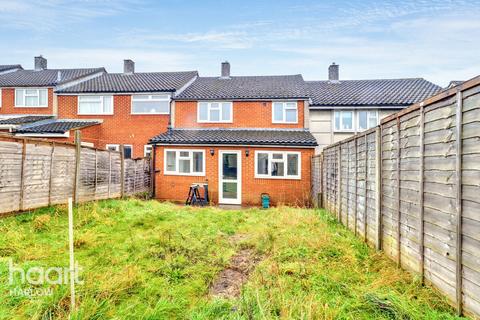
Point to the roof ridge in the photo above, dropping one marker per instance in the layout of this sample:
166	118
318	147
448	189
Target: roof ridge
375	79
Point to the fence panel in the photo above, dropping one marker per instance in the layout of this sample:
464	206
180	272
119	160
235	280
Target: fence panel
411	186
36	173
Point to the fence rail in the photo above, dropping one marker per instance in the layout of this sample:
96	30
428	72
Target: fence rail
36	173
411	187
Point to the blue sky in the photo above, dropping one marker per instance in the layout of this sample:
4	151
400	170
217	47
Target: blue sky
437	40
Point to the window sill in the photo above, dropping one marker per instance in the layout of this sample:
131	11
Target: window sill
30	106
278	178
149	114
94	114
198	121
277	122
184	174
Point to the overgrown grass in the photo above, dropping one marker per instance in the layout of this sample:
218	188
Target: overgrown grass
151	260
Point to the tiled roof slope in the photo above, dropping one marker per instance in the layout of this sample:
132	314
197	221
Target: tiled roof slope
44	78
6	67
56	126
23	120
371	92
281	137
246	87
134	82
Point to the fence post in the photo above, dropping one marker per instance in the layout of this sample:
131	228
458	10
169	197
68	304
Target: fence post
52	154
152	172
365	212
109	172
378	184
322	190
355	141
399	215
421	228
458	168
22	178
348	183
134	175
339	185
78	152
96	175
122	172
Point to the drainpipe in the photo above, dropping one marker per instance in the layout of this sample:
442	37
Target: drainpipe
154	174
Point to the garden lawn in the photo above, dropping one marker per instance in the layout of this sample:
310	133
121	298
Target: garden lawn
152	260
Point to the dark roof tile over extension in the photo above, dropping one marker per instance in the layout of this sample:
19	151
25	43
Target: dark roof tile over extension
23	120
383	92
134	82
9	67
56	126
44	78
246	87
270	137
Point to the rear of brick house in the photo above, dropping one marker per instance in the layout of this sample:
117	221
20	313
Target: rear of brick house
243	136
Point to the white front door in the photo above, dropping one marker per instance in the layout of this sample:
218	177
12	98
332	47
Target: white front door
230	177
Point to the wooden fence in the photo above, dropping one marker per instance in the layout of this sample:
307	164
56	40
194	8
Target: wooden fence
411	187
36	173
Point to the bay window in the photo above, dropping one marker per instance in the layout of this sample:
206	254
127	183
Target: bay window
214	112
150	104
91	105
29	97
284	112
277	165
184	162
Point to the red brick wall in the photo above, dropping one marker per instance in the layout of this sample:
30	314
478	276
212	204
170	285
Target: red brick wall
281	191
246	114
8	104
120	128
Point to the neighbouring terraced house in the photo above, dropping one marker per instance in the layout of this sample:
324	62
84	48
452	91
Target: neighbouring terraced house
243	135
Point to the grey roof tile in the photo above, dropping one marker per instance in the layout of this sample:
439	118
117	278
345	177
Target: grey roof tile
56	126
7	67
24	119
454	83
246	87
44	78
281	137
371	92
135	82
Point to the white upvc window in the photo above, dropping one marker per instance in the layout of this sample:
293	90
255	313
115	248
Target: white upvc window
214	112
31	98
147	150
127	149
344	120
284	112
277	165
366	119
184	162
150	104
95	104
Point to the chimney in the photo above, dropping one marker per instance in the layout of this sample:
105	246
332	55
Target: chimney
40	63
333	72
128	66
225	70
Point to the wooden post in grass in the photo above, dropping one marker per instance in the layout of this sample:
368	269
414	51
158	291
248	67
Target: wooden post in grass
122	171
72	259
78	152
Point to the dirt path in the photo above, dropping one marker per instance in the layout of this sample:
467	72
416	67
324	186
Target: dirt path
229	282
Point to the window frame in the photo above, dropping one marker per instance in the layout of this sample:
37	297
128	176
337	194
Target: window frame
24	89
150	99
209	107
145	147
177	163
285	161
354	121
368	111
284	112
100	96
